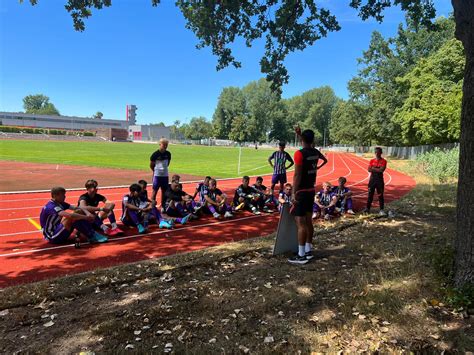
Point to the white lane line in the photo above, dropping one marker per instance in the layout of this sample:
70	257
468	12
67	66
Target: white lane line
166	231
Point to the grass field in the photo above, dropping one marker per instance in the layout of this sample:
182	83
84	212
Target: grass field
186	159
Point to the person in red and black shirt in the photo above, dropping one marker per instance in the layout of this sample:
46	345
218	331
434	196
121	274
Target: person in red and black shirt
306	166
376	168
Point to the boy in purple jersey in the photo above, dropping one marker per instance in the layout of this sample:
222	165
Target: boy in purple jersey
285	196
92	199
201	188
132	213
280	157
344	197
159	162
324	202
57	224
246	197
149	209
215	201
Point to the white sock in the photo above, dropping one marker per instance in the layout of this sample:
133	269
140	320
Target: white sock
301	250
114	225
104	227
308	247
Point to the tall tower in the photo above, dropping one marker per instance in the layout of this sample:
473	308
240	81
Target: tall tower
132	115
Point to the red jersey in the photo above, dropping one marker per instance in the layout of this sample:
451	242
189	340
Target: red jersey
377	163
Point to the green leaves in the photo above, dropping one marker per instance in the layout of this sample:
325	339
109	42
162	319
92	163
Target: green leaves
39	104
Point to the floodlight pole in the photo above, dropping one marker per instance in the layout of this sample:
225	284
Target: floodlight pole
240	154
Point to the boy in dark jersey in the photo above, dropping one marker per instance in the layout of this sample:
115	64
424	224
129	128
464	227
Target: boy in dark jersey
376	168
247	197
92	199
159	162
266	195
306	166
57	224
280	157
149	209
132	214
325	202
215	201
344	197
176	203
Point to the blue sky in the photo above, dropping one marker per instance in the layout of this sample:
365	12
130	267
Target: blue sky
133	53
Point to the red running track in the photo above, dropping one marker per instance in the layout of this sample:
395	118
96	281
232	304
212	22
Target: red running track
26	257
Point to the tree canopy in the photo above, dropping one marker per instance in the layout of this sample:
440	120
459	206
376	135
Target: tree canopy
39	104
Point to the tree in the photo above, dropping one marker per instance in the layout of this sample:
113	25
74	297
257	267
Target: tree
39	104
349	124
293	25
98	115
431	113
231	104
198	128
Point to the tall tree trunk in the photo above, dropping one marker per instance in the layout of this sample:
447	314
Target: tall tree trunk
464	245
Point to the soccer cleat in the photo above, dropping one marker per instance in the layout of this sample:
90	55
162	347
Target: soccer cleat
340	210
216	215
327	217
228	215
240	206
185	219
309	255
350	212
298	260
113	232
165	224
315	215
193	216
266	209
98	238
255	211
382	213
197	208
141	229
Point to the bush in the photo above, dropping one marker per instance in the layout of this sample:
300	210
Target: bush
441	165
89	134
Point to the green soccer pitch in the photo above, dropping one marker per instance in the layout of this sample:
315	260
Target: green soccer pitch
186	159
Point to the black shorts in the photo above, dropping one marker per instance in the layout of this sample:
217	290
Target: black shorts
303	204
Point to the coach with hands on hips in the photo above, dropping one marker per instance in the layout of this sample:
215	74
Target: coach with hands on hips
306	166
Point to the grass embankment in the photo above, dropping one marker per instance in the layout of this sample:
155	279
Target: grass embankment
186	159
377	285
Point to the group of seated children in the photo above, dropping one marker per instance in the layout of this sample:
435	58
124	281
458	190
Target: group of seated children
329	202
333	200
138	210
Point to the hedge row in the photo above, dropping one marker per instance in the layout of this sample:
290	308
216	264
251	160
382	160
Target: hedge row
55	132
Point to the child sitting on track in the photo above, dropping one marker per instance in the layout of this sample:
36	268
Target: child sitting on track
215	201
266	195
92	199
324	202
132	214
57	224
201	188
285	196
149	208
344	199
177	203
247	197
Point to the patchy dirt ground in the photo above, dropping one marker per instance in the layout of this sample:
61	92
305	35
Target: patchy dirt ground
21	176
372	287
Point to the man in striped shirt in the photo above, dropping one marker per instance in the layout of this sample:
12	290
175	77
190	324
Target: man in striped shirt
280	157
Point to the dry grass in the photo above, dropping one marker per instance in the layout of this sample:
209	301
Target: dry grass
372	287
